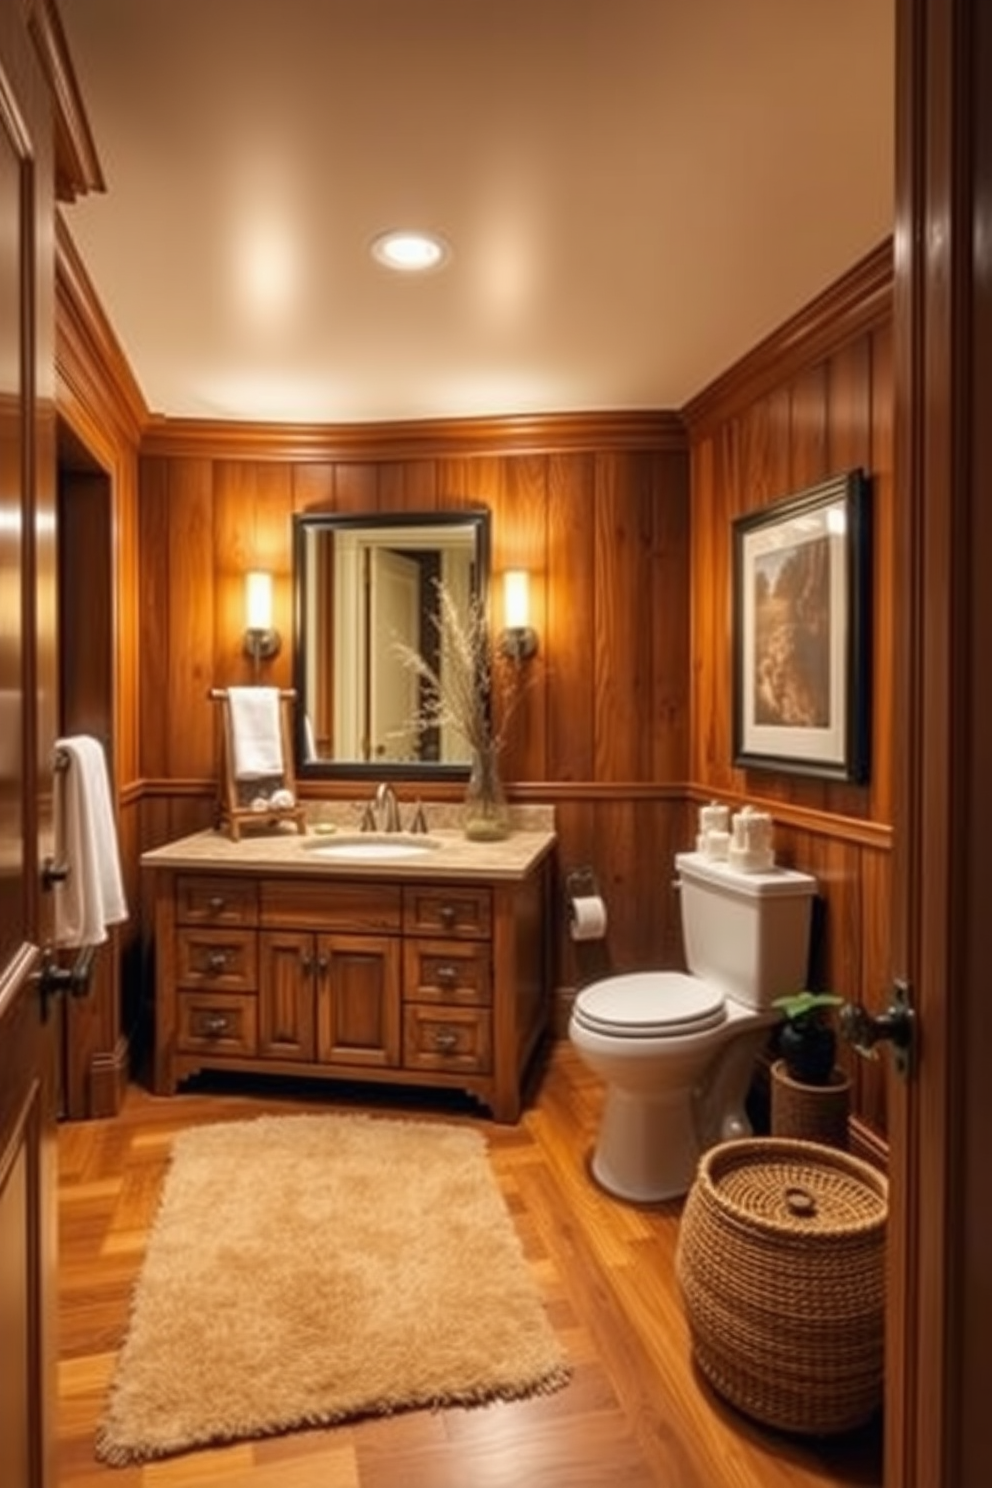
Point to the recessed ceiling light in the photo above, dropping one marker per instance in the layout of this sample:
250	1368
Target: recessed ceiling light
410	252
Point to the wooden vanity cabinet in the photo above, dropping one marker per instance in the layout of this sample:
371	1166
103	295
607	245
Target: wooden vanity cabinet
420	983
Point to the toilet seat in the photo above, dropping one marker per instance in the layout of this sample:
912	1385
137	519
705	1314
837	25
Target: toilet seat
650	1004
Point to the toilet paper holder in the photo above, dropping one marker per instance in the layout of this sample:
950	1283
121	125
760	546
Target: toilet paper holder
580	883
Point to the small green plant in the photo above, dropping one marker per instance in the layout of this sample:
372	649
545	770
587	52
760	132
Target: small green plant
807	1039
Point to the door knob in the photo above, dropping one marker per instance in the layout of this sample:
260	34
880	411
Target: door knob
865	1030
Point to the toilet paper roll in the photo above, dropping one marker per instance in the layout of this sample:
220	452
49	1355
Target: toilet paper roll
587	918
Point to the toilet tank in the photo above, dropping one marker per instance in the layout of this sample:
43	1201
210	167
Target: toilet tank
748	933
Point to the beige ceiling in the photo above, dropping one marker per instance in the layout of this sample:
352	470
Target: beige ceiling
635	191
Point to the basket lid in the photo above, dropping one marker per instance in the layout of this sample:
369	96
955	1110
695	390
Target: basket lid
783	1185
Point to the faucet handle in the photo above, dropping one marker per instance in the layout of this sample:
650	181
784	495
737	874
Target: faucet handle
368	823
419	823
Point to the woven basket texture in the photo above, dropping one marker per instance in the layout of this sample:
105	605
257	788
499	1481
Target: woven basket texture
781	1264
816	1113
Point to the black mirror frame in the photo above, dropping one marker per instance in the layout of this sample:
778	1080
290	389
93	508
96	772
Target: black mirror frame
305	523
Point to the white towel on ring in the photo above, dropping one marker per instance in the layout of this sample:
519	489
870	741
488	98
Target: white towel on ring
91	897
256	732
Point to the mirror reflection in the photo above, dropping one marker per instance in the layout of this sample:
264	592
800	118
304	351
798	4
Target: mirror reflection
363	585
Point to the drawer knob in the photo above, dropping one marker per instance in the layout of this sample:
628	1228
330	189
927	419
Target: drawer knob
215	1025
216	903
447	914
447	975
217	961
445	1040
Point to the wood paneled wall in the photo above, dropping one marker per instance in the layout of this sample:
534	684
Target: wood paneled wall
628	727
814	400
596	508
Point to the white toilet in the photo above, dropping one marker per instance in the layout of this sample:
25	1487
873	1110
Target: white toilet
677	1052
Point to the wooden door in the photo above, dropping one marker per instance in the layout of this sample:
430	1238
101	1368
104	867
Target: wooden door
393	687
27	1230
28	697
286	973
938	1433
358	1000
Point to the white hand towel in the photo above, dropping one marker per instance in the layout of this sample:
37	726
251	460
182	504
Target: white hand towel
256	733
92	896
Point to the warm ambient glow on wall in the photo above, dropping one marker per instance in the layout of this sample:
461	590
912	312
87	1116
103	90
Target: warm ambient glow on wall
519	638
261	641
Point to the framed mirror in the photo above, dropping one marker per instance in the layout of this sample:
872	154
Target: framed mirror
365	587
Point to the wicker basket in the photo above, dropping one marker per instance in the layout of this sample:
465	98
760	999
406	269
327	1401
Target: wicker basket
781	1262
812	1113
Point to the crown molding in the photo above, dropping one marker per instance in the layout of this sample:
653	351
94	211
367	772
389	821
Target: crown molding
416	439
93	373
860	300
77	166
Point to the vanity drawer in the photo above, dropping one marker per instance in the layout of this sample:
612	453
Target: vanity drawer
223	959
222	1022
446	1039
446	971
202	900
325	904
455	911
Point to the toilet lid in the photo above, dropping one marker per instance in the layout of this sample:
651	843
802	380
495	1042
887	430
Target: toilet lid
651	1004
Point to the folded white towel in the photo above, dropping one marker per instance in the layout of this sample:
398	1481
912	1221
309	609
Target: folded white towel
256	732
92	896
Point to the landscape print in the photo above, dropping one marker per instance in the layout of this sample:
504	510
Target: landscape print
792	636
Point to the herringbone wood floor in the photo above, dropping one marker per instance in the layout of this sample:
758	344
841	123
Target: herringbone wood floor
635	1413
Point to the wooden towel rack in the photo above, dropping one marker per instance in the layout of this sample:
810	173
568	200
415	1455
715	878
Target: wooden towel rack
236	796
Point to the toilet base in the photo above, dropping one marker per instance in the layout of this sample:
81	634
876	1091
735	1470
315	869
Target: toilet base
648	1148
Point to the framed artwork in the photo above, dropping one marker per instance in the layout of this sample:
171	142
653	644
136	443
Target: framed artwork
801	632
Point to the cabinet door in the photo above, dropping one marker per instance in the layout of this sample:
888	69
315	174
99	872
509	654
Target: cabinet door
358	1000
286	994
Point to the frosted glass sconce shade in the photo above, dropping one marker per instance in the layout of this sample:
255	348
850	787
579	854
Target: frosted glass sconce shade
519	639
261	641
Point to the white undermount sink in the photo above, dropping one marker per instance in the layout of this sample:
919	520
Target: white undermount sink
371	847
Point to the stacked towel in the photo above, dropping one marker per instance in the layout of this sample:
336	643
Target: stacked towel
256	732
92	896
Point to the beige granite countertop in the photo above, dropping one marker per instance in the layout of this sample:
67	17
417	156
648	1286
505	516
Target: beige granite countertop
282	850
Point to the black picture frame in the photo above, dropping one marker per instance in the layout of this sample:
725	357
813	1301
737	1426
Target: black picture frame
801	632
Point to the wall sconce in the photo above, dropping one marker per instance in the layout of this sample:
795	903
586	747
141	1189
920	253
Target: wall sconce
261	641
519	638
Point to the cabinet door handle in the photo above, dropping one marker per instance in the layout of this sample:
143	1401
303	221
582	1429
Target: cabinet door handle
306	961
445	1040
323	964
215	1025
217	962
446	976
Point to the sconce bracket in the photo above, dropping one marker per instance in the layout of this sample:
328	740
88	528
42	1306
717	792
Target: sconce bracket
262	645
519	642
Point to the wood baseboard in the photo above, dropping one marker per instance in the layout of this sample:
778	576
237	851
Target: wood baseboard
108	1079
561	1011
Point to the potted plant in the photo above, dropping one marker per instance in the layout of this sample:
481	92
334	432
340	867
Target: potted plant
807	1039
810	1095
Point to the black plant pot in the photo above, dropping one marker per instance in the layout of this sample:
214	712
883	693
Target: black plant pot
809	1051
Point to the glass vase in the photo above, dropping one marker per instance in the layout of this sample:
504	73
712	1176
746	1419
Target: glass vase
487	813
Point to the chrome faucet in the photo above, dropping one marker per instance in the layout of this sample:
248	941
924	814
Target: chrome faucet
387	809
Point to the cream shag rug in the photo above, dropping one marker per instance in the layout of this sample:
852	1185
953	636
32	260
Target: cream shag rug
307	1269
